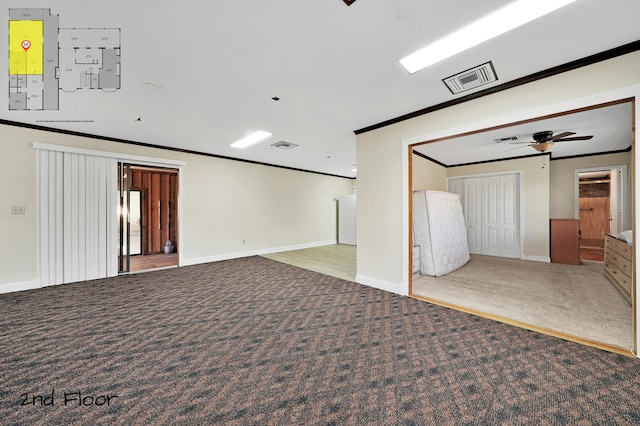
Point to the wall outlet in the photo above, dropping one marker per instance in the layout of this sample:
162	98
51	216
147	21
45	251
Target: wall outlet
18	210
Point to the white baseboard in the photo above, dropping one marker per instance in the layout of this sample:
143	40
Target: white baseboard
257	252
216	258
298	246
31	285
379	284
21	286
544	259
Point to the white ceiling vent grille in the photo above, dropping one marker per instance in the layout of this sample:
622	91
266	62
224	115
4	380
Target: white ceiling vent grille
284	145
471	78
507	139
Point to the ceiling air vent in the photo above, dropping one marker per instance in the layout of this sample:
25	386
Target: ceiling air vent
471	78
284	145
507	139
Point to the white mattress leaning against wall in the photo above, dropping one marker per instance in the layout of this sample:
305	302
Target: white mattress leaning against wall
439	232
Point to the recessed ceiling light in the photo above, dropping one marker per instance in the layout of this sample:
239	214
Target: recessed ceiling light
152	84
251	139
512	15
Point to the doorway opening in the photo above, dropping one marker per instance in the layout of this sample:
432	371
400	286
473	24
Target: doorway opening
600	208
465	290
148	218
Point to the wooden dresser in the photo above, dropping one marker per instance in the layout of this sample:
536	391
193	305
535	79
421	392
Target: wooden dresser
617	264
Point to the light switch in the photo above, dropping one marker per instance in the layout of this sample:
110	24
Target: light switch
18	210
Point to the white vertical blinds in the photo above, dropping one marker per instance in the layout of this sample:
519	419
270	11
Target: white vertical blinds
77	216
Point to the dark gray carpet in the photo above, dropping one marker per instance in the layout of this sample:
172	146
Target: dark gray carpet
253	341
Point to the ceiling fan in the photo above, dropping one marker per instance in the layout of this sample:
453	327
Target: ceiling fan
544	140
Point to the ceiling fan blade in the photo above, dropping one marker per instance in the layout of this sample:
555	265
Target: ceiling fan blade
560	136
520	143
575	138
518	147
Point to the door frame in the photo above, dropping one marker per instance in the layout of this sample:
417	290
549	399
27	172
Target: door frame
132	167
123	219
159	163
631	93
622	190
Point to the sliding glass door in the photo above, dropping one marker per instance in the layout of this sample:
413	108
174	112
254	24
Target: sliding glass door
124	218
147	216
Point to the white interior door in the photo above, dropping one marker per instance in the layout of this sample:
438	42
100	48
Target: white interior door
614	210
509	216
472	208
470	194
491	215
456	186
347	219
491	207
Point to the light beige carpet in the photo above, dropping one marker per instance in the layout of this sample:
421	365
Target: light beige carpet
571	299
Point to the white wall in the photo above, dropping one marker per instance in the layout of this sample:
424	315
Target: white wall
383	158
223	203
18	188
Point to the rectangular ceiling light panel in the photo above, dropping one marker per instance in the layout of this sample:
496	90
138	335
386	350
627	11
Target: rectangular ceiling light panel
251	139
511	16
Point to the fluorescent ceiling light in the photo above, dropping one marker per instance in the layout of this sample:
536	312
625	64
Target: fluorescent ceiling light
251	139
500	21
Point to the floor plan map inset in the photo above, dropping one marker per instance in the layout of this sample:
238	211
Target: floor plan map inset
45	60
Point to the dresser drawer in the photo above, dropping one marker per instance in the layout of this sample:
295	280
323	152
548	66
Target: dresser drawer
619	246
614	257
622	279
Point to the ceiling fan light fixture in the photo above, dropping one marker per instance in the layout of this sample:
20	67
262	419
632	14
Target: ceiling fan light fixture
542	147
500	21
